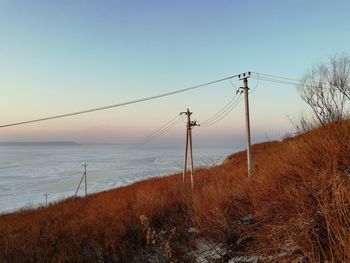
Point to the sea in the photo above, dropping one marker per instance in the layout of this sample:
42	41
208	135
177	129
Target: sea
32	174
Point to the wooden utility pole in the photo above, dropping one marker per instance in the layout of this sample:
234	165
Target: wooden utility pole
245	88
189	125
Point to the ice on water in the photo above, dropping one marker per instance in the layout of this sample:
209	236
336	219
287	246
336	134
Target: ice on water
27	173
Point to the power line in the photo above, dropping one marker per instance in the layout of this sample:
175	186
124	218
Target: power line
167	129
160	131
182	119
119	104
223	114
223	110
220	115
257	83
279	81
276	77
296	83
233	85
286	80
165	126
232	100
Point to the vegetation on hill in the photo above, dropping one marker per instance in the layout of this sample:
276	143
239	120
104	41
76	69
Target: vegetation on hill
294	207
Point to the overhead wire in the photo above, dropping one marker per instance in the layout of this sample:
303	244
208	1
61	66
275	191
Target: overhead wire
163	126
160	131
228	108
119	104
284	80
256	84
287	81
182	118
163	131
223	114
274	76
233	85
223	110
278	81
213	119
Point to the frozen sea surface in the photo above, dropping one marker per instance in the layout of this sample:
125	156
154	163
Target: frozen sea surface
27	173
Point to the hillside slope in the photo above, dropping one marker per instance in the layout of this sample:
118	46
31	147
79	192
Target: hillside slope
294	207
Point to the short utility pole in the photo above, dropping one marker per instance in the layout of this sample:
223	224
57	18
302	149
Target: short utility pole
83	177
245	89
84	165
189	125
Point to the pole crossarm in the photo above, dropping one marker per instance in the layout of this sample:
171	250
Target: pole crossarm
244	75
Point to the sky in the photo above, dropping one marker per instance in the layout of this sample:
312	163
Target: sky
64	56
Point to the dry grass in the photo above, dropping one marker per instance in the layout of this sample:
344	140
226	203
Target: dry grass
296	206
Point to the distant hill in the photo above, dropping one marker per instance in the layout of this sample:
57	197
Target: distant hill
49	143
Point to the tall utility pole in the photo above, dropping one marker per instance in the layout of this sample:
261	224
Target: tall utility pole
245	88
189	125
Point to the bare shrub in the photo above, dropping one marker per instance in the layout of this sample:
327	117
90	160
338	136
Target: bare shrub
303	124
326	89
159	240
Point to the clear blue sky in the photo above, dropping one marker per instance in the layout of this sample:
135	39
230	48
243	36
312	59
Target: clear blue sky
62	56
